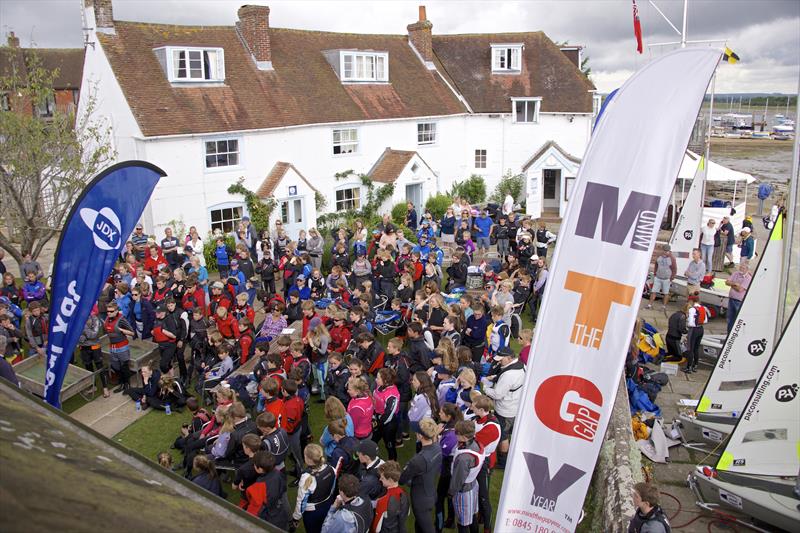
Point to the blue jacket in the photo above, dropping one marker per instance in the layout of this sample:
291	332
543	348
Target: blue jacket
221	252
425	230
125	307
748	247
448	225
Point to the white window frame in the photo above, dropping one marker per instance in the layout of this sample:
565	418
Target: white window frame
356	200
597	103
234	222
222	168
507	58
427	137
484	156
364	67
217	73
536	102
347	147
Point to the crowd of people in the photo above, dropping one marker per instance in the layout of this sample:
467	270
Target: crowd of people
391	342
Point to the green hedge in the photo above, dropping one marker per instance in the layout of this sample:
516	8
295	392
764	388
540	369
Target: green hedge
210	248
399	212
438	205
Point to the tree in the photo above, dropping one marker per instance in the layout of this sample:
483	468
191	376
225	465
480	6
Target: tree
45	162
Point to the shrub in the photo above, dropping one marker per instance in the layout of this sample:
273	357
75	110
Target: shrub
472	188
438	205
513	184
399	212
210	247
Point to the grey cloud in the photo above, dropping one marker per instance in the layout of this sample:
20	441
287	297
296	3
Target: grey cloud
763	32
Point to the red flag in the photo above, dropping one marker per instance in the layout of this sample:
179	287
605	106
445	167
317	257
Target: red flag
637	27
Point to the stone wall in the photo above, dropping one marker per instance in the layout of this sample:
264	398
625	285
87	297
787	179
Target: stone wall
619	467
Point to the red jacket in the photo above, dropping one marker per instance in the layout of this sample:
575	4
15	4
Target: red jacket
340	339
197	298
275	406
151	263
228	327
288	361
216	301
246	340
306	321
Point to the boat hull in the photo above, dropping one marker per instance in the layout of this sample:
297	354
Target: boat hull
704	436
776	508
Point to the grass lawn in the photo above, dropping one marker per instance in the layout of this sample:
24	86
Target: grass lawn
156	431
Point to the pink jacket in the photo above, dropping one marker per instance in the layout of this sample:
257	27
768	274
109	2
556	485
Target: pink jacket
360	410
379	398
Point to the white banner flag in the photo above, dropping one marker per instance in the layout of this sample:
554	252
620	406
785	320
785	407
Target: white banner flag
593	292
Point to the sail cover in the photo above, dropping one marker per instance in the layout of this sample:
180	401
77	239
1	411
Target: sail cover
751	339
766	439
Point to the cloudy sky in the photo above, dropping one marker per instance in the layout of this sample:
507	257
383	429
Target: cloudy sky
764	33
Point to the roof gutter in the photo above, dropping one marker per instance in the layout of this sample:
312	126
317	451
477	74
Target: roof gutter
295	126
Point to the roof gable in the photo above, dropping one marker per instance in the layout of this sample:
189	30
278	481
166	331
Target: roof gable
391	163
275	176
551	147
545	72
302	88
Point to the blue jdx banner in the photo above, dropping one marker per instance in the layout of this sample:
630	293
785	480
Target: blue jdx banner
94	233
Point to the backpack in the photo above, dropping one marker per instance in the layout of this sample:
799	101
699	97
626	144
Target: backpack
293	409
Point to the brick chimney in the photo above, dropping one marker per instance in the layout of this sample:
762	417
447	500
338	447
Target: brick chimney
13	40
104	16
254	28
419	34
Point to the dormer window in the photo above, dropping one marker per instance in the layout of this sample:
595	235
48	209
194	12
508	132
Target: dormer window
507	58
526	110
364	66
182	65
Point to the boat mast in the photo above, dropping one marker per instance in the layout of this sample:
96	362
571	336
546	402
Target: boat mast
790	208
683	33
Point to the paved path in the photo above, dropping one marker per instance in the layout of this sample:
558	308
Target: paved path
109	416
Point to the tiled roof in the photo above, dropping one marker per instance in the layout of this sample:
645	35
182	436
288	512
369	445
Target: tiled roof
546	146
389	165
546	72
302	88
68	61
275	176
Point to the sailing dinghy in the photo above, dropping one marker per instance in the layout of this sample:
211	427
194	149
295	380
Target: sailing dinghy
757	473
743	357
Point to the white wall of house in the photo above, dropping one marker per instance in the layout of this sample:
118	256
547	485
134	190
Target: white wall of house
296	207
189	192
417	182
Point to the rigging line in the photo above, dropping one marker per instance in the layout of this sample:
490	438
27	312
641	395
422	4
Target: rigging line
665	18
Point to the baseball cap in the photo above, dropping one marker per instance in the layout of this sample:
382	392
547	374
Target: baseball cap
745	230
161	309
234	262
441	369
301	277
504	352
368	448
139	225
247	218
217	285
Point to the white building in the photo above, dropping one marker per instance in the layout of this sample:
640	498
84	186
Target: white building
286	110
